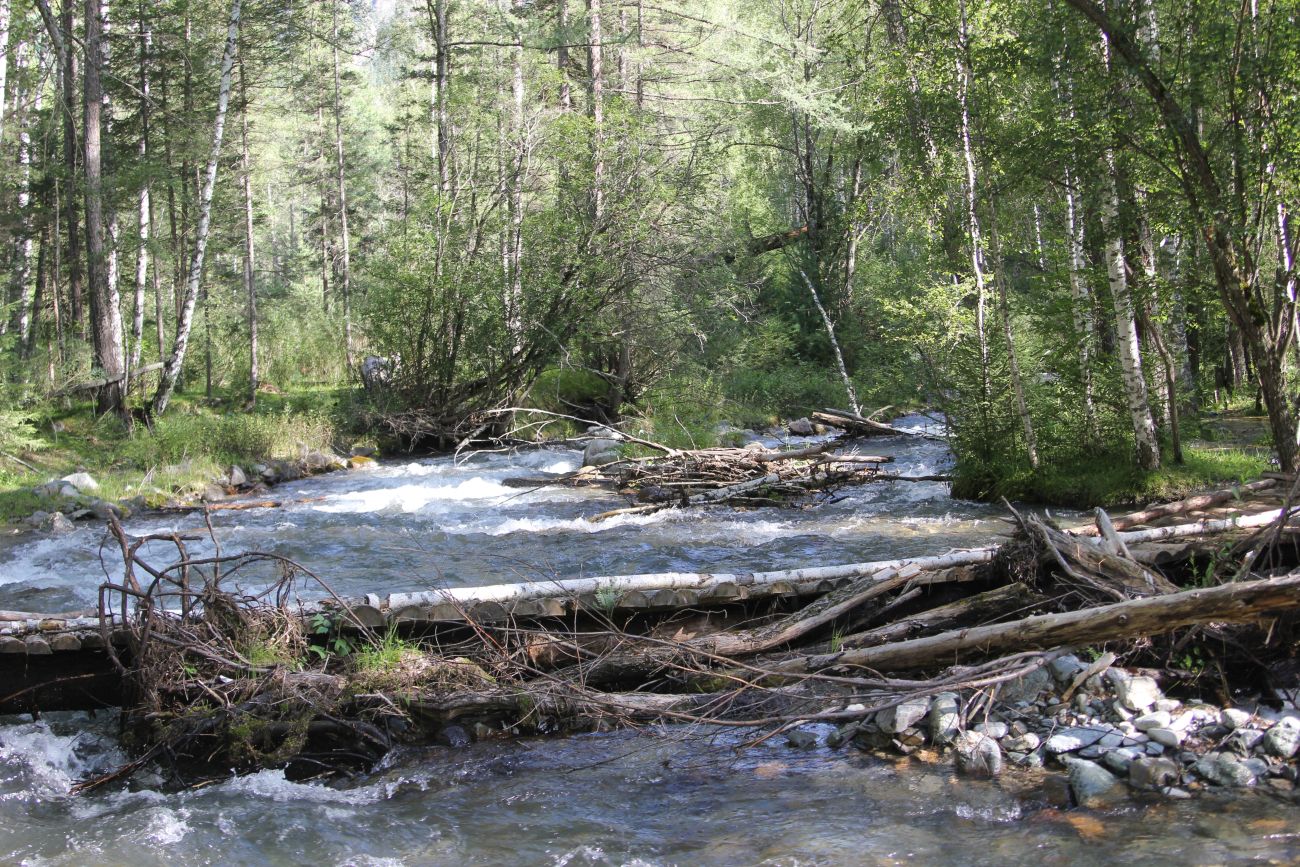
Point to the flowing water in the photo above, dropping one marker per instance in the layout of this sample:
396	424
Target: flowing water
658	796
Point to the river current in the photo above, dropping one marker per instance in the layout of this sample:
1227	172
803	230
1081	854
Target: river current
657	796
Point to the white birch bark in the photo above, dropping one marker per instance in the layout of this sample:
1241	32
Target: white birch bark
835	345
972	218
143	220
1130	353
5	17
250	257
172	369
1081	308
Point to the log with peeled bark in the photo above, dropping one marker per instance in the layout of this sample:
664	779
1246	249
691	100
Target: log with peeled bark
1136	618
1180	507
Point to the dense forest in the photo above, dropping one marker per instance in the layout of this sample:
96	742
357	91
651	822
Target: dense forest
1065	225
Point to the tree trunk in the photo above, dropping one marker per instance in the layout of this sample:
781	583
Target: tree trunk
1017	382
596	110
4	61
1130	354
835	344
24	237
345	240
173	367
145	215
104	306
1081	309
972	217
250	259
514	294
75	291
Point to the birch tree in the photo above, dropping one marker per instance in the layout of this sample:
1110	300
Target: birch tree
172	369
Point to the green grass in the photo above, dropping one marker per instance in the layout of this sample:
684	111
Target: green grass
1110	479
195	442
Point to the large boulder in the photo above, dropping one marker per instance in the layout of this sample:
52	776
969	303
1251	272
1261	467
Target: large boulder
600	452
83	482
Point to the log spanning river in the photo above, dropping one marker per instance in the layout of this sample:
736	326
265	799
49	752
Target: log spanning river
656	796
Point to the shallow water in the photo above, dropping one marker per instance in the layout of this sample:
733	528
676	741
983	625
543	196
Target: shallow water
441	522
657	797
653	797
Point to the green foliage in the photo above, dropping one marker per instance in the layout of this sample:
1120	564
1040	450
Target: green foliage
1105	478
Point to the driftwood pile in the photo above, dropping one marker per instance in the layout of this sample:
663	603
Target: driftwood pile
223	678
753	476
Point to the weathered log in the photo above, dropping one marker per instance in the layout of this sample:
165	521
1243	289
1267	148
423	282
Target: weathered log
1234	603
1190	504
981	608
861	426
1089	564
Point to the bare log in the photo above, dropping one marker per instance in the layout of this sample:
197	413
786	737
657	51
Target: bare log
1230	603
1190	504
981	608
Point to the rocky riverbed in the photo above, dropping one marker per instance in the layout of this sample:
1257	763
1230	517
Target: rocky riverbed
1094	733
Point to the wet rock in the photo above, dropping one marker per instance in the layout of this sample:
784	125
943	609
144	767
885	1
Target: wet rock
453	736
896	719
1282	741
977	754
1152	773
37	518
1056	791
356	462
801	739
104	510
57	524
801	427
1071	739
236	477
909	740
83	482
996	730
1092	785
212	494
600	452
1120	760
1224	769
945	718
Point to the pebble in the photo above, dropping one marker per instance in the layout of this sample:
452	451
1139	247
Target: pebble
1166	737
1158	719
997	730
1234	718
1071	739
1023	743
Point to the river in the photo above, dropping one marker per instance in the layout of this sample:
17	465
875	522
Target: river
662	795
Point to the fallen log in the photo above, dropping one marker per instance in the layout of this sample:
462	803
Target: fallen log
1137	618
1190	504
981	608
